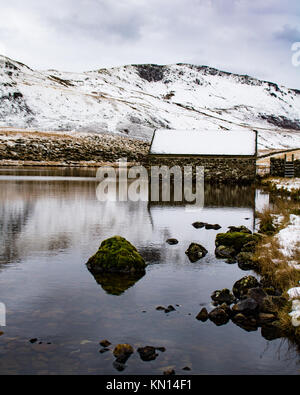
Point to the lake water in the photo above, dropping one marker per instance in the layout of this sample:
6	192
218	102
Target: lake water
51	223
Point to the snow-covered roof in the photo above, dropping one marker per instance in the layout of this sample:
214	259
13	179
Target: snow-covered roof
210	142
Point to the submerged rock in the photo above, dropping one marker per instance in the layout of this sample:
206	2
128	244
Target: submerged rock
116	255
196	252
241	287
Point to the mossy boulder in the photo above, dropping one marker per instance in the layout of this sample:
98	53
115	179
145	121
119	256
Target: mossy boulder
224	252
223	296
237	240
116	255
241	287
247	261
240	229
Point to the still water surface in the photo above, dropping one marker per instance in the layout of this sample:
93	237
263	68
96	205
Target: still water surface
51	223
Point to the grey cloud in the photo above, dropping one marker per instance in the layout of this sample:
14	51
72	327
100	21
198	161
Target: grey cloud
288	33
243	36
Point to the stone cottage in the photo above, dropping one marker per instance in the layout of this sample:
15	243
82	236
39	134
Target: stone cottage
227	156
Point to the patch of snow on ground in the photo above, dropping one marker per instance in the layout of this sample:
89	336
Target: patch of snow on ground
287	183
295	313
289	239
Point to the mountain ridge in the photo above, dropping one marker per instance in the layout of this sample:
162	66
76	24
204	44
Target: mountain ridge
135	99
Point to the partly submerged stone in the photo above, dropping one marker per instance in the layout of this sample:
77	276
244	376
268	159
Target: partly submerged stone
116	255
202	315
247	261
147	353
224	252
241	287
213	226
241	229
223	296
122	352
172	241
199	225
258	294
236	240
218	316
246	307
196	252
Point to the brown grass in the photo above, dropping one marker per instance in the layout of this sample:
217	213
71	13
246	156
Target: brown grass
274	265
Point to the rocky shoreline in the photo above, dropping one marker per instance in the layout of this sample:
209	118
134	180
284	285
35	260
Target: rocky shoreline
59	149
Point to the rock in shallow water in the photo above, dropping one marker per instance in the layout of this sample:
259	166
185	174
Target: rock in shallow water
247	261
196	252
241	229
236	240
242	286
172	241
116	255
224	252
202	315
246	307
147	353
223	296
122	352
218	316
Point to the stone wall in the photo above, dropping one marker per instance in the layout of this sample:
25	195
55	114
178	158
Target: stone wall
277	167
216	170
57	148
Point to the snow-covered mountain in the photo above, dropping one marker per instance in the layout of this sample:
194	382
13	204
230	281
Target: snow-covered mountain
134	100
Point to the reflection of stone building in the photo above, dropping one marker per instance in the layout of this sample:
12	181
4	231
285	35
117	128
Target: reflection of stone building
227	156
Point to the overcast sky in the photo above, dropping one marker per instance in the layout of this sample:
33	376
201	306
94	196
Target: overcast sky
244	36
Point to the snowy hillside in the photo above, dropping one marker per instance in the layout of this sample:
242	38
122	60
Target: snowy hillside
134	100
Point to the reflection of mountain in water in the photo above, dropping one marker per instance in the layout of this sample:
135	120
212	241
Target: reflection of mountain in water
116	284
12	223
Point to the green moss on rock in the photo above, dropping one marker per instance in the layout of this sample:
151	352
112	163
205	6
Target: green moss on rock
116	255
235	239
